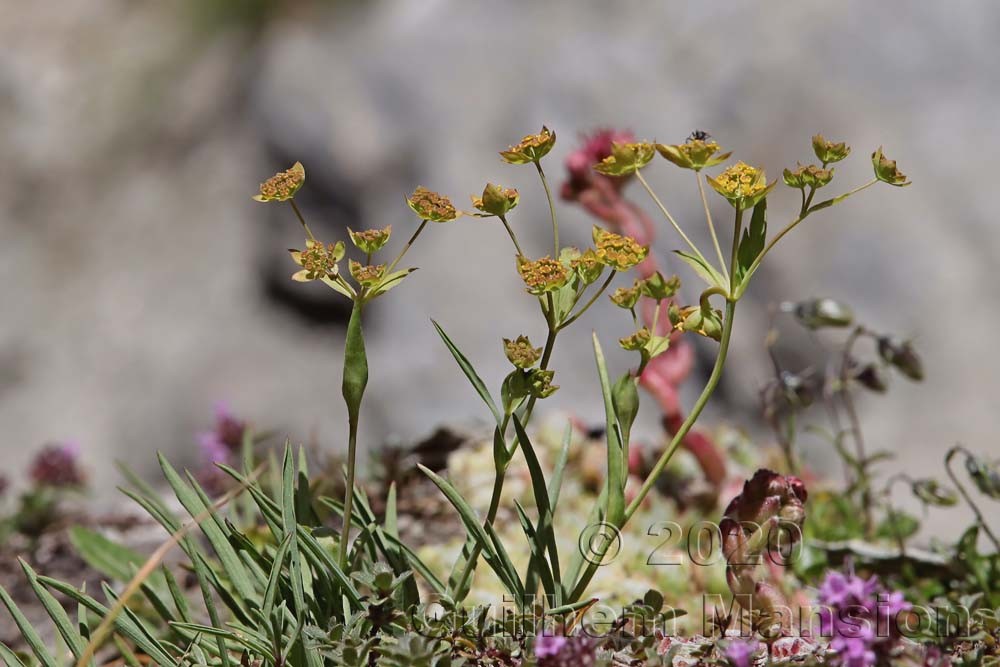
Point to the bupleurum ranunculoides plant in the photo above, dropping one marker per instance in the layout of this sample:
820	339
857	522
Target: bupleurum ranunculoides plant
566	283
321	261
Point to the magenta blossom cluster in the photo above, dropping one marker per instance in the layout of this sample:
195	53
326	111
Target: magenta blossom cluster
57	465
220	445
740	652
559	651
860	616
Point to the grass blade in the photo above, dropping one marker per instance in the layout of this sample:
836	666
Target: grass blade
470	372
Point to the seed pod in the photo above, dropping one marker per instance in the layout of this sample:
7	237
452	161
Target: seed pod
985	476
817	313
872	377
902	356
932	493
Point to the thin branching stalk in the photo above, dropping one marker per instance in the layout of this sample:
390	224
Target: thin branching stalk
552	209
670	218
711	226
965	494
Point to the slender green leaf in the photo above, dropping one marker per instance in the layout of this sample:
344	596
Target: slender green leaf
616	454
537	546
470	373
752	243
9	657
28	632
67	630
541	492
704	270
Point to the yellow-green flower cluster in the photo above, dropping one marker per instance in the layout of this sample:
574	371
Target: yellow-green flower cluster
809	176
702	320
619	252
283	185
429	205
366	275
742	185
531	148
370	241
696	153
886	170
626	159
588	266
542	275
829	151
636	341
521	353
318	261
627	297
496	200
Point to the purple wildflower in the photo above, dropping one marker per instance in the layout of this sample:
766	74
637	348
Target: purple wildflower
740	651
220	445
558	651
57	465
860	617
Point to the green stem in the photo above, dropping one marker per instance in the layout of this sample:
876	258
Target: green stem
552	209
965	494
794	223
670	218
737	228
498	480
406	248
510	232
590	302
713	381
711	226
355	380
302	220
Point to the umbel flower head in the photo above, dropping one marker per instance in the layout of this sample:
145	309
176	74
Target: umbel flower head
542	275
625	159
370	241
521	353
619	252
587	265
531	148
283	185
742	185
627	297
698	152
429	205
495	200
318	261
809	176
366	275
886	170
829	151
635	341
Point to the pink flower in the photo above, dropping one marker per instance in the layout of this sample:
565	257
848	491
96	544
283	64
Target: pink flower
740	651
57	465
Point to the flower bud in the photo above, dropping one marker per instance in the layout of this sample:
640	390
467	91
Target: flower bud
625	159
886	170
520	352
932	493
985	476
370	241
660	288
496	200
704	321
283	185
872	377
818	313
828	151
531	148
540	383
431	206
902	356
809	176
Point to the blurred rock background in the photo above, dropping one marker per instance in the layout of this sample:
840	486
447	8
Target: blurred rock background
140	283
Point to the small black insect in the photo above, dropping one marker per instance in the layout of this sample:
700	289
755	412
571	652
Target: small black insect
699	135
